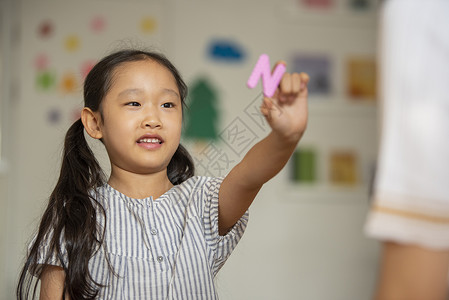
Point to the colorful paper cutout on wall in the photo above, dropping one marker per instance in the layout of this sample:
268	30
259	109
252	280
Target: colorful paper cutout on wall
69	83
54	116
360	4
45	80
343	168
303	166
226	50
72	43
203	113
148	25
361	78
318	3
98	24
41	62
318	67
45	29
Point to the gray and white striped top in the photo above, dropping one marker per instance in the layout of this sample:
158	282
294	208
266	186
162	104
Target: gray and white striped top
165	248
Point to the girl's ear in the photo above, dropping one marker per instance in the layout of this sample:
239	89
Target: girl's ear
91	121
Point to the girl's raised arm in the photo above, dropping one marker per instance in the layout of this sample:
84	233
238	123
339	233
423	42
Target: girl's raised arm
286	113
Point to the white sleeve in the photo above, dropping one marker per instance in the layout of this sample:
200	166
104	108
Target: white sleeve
411	194
222	245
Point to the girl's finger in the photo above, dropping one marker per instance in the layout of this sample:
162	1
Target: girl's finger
304	80
266	107
279	62
285	86
296	83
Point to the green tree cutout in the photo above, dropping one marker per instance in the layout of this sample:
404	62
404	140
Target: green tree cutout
202	113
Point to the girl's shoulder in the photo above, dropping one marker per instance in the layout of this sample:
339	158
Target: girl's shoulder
198	187
199	182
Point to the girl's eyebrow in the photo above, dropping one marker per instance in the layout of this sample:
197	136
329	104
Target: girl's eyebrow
171	91
129	91
139	91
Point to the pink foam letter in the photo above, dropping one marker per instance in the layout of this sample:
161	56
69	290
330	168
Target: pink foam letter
269	81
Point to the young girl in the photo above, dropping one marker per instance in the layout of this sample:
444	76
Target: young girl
153	230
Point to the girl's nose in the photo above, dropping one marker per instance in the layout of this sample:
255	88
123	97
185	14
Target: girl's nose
151	121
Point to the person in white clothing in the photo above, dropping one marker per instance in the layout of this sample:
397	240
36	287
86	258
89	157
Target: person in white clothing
410	211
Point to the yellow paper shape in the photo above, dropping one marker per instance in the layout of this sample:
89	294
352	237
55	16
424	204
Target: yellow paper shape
148	25
362	78
343	168
72	43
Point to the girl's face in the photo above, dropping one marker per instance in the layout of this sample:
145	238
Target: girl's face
142	117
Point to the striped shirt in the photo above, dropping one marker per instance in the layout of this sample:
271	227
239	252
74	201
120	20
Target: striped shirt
165	248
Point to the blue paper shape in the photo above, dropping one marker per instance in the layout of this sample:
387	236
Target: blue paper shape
54	116
226	50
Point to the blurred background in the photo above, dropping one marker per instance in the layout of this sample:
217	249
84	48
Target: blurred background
305	236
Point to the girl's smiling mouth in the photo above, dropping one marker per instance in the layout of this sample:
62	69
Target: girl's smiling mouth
150	141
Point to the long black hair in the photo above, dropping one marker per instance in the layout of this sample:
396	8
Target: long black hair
69	223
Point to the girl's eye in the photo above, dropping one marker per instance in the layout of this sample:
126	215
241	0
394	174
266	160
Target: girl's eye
133	103
168	105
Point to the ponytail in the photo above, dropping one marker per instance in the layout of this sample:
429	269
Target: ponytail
181	166
69	224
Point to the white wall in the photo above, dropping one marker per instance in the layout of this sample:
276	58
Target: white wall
302	242
7	135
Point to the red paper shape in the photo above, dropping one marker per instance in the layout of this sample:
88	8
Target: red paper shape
45	29
98	24
41	62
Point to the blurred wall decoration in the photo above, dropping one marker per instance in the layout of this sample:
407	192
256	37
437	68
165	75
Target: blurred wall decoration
203	111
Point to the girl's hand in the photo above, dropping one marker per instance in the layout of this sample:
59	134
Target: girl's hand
286	111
